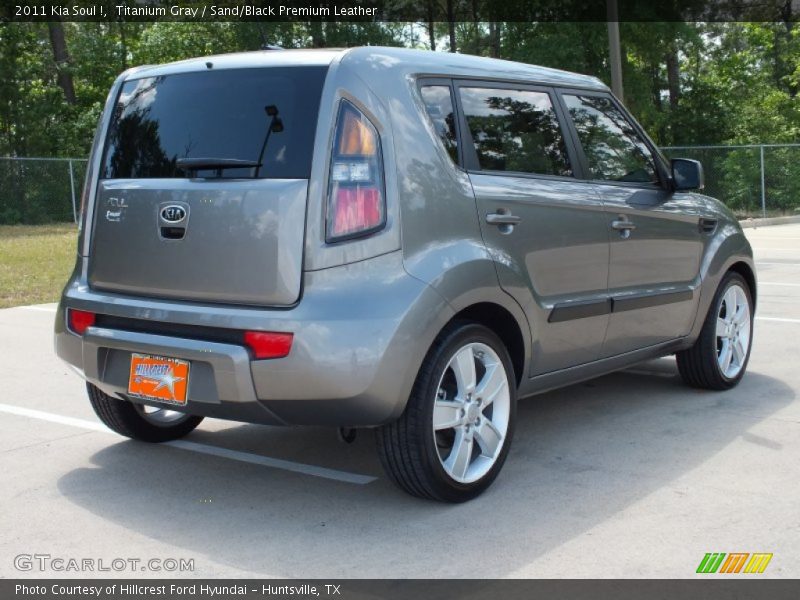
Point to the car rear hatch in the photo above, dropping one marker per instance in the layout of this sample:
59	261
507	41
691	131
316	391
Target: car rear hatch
203	187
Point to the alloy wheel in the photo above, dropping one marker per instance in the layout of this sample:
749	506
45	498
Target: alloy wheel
471	412
733	331
162	417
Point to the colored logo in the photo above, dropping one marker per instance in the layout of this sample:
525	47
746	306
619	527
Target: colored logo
735	562
158	378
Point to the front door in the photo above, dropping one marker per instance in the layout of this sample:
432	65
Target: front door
654	269
545	229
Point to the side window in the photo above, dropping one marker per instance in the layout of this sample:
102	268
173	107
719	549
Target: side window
439	104
614	149
515	130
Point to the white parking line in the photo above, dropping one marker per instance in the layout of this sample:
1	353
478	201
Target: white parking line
255	459
778	319
778	264
779	283
53	418
42	307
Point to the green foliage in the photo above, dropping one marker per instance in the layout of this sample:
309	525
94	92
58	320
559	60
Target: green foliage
37	191
35	120
688	83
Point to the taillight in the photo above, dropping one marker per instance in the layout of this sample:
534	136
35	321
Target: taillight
267	344
356	204
80	320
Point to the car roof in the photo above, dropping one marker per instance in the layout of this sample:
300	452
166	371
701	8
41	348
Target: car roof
466	66
240	60
378	58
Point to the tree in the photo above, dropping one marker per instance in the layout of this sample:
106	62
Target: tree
687	83
62	61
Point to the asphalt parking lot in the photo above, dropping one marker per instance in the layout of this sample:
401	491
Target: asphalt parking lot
629	475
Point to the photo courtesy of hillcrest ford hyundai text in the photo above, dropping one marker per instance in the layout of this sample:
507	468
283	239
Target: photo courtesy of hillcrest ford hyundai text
393	240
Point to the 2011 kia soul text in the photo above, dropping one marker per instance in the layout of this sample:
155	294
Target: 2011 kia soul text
392	239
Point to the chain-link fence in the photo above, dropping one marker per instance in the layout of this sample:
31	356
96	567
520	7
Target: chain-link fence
40	190
753	180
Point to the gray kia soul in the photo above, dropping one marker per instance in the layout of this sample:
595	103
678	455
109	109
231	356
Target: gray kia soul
391	239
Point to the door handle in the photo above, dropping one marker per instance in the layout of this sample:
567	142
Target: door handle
503	219
622	225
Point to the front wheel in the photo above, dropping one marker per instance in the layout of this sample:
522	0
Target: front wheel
453	438
140	422
718	359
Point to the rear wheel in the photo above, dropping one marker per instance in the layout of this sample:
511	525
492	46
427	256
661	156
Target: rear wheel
140	422
453	438
718	359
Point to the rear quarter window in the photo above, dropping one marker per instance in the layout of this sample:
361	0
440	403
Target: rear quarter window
515	130
218	114
439	106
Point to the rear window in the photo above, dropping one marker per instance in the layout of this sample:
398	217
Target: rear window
224	115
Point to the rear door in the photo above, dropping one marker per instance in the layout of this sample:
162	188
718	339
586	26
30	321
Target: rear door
655	236
202	194
545	229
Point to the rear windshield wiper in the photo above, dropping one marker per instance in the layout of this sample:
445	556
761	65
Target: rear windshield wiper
193	165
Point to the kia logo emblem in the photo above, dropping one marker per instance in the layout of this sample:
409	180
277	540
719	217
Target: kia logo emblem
173	213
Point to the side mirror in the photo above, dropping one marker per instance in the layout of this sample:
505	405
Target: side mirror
687	174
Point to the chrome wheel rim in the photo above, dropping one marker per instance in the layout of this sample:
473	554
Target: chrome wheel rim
471	412
162	417
733	331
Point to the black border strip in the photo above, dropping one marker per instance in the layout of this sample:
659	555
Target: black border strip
703	587
646	300
569	311
524	11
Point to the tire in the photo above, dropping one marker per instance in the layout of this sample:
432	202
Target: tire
134	420
453	437
726	339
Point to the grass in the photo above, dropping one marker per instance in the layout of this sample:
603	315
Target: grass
35	262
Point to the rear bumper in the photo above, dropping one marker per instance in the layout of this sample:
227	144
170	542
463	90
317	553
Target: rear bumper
360	333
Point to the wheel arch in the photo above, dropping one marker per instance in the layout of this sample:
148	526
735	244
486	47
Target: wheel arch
746	271
500	320
728	251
